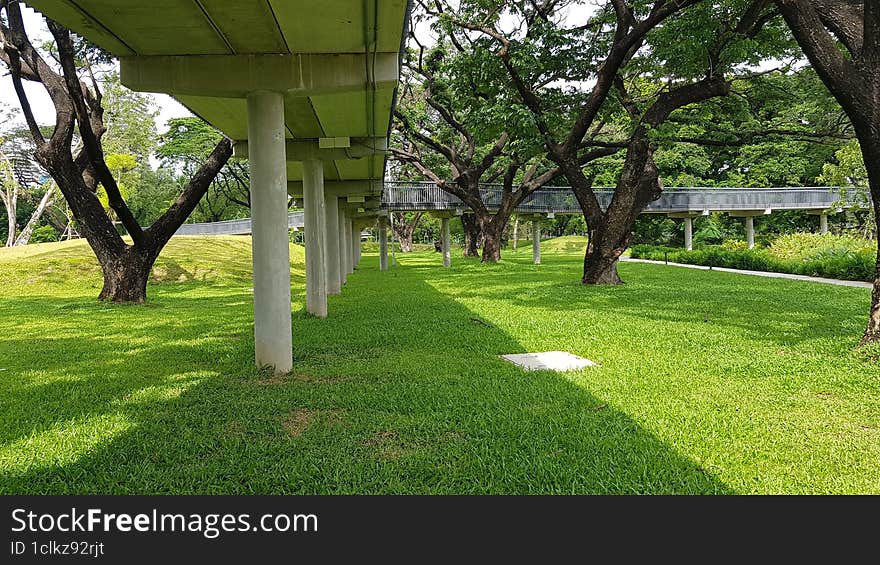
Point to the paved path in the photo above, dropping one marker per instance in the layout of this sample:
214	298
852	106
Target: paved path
855	284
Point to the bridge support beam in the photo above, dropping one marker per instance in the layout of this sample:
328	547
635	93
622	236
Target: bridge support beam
349	229
689	234
315	235
536	241
273	345
355	244
331	258
749	215
383	244
445	242
344	242
688	218
823	217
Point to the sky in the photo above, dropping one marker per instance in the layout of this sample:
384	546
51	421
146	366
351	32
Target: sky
42	104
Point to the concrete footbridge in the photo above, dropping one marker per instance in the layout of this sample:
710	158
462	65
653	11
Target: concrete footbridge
683	203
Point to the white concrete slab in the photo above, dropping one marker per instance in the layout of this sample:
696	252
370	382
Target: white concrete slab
549	361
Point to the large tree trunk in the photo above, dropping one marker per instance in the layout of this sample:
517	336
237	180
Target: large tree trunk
603	253
404	230
871	153
473	235
493	231
821	29
125	277
872	332
491	247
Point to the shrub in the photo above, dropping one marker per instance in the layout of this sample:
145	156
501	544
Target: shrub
830	256
735	245
804	246
43	234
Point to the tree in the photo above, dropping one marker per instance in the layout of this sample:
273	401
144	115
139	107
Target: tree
9	195
461	132
848	170
404	225
184	146
602	106
79	171
29	228
842	42
17	179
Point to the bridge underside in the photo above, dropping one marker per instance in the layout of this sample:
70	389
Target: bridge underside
305	89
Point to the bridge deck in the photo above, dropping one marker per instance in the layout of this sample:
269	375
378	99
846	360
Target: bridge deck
561	200
399	196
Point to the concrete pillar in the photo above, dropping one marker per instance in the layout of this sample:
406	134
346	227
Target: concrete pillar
445	243
344	242
750	231
331	253
273	344
383	244
536	242
823	223
316	236
515	232
689	234
349	229
355	245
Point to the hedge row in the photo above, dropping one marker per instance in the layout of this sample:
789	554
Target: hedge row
834	264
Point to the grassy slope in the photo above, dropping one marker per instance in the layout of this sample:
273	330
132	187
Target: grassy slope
709	382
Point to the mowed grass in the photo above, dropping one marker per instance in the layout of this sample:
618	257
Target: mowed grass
708	382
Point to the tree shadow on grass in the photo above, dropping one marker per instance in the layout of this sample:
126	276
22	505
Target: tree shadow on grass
399	391
779	311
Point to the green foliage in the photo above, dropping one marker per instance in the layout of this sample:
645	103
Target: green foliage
43	234
849	169
707	382
710	230
735	245
187	141
156	191
806	246
130	121
184	147
657	229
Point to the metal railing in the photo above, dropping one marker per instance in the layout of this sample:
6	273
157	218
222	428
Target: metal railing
233	227
561	200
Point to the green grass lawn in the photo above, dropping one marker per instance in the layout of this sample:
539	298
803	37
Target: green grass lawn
709	382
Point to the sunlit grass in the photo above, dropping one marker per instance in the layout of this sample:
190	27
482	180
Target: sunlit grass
708	382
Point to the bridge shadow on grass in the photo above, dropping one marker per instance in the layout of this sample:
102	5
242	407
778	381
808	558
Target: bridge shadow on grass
400	391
